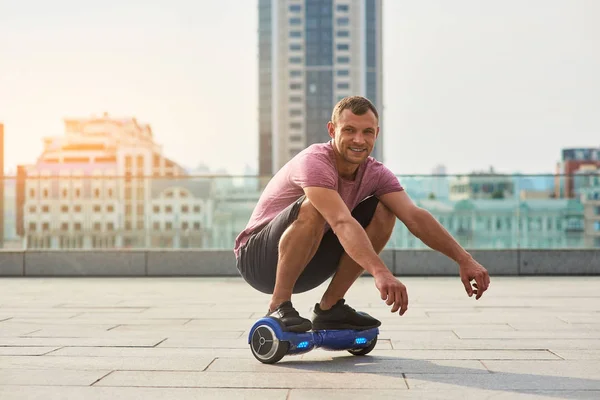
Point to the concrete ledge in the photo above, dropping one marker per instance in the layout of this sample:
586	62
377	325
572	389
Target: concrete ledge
11	263
196	262
560	262
429	262
85	263
191	262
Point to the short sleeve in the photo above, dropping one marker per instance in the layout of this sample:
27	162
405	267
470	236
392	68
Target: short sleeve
314	170
388	182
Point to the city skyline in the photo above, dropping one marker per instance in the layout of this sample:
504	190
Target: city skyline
523	74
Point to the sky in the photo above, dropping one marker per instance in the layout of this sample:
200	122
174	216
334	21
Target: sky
468	84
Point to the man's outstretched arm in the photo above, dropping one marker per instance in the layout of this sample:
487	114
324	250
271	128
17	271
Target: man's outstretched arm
424	226
357	245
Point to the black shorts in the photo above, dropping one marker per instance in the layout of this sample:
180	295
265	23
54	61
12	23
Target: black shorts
257	260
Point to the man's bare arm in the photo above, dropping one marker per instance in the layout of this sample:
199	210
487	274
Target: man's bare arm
357	245
351	234
424	226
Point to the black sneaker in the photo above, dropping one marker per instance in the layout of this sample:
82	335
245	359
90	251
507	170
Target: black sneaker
342	316
289	317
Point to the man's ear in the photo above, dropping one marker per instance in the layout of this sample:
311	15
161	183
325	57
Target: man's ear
331	129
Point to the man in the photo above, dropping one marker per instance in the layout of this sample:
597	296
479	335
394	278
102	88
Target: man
329	212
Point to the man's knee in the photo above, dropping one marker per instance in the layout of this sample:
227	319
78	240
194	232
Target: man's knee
309	215
383	218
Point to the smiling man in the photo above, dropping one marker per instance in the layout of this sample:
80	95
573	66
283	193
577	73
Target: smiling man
329	212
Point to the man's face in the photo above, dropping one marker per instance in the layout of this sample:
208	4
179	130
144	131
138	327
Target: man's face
354	135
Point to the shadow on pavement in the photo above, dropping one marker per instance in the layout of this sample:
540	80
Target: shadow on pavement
551	386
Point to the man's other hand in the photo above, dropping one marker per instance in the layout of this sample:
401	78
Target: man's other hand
472	270
392	291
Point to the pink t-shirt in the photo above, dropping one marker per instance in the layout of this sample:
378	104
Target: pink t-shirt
315	166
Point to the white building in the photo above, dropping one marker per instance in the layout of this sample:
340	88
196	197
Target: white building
503	224
106	183
312	53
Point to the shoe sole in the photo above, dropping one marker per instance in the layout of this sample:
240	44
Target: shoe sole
301	328
334	326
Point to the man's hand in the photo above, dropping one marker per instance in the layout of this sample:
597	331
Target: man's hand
472	270
392	291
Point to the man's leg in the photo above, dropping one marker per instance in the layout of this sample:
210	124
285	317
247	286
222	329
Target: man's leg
379	231
297	246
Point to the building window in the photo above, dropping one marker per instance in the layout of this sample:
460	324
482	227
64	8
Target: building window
295	46
295	113
197	226
295	125
97	193
32	209
295	60
97	226
295	34
45	226
196	209
295	21
343	46
343	60
156	209
168	209
295	8
64	226
295	99
110	208
64	208
45	193
77	226
31	193
168	226
343	72
185	209
295	86
156	226
597	210
77	208
32	226
343	85
343	21
343	34
184	225
296	138
295	73
342	7
597	226
46	209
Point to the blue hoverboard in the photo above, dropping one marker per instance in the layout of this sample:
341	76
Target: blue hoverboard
270	342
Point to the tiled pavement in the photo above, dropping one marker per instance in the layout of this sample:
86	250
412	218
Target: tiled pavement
186	338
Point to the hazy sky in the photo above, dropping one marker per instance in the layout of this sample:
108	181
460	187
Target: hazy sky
467	83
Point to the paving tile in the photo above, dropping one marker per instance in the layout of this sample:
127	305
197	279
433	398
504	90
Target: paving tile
506	344
31	377
587	354
26	351
252	380
498	381
447	394
131	393
150	352
341	364
464	354
589	369
173	363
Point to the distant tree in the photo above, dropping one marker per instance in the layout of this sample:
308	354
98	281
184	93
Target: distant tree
431	196
498	194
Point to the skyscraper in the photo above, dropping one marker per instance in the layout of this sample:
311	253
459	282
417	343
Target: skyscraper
312	53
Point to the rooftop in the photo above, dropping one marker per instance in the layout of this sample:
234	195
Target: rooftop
186	338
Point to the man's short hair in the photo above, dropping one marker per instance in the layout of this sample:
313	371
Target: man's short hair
357	104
